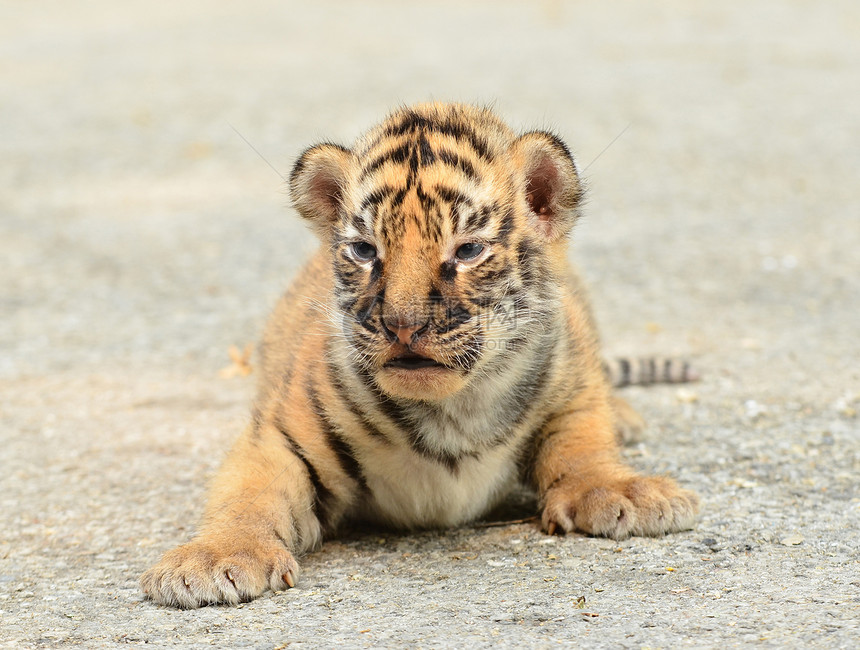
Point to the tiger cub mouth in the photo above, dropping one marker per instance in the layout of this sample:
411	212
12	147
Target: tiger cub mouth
412	361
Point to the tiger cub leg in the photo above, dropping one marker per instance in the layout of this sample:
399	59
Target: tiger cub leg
584	486
260	512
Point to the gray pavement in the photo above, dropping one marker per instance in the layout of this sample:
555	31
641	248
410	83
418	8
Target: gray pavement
140	237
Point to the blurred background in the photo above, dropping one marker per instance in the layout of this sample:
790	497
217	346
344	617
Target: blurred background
141	237
136	223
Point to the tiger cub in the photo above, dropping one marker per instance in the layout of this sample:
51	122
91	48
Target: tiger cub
436	352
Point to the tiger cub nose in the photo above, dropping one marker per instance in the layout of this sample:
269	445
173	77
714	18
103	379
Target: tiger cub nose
403	331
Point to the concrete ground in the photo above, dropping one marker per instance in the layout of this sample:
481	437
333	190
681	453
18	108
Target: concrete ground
140	237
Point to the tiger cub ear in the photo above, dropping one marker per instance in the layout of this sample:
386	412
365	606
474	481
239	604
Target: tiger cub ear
318	182
552	185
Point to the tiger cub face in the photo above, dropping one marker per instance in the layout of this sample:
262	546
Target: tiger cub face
446	232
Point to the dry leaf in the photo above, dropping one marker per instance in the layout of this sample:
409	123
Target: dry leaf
686	396
241	366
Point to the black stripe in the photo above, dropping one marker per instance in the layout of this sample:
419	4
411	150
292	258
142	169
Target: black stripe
452	159
397	199
549	434
467	358
406	425
554	141
345	454
450	195
490	276
354	408
455	316
344	274
479	219
560	145
413	165
459	130
388	406
434	224
451	462
526	251
454	337
427	201
358	223
426	152
366	324
647	370
448	271
516	343
347	304
527	454
423	155
480	301
397	156
528	391
376	271
624	364
411	121
363	341
323	497
542	435
474	218
365	310
376	197
506	226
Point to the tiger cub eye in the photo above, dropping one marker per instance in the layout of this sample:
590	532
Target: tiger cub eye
362	251
469	251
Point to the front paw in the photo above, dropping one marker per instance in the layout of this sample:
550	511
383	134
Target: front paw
636	506
205	572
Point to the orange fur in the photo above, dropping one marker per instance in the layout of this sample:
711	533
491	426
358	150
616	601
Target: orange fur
436	350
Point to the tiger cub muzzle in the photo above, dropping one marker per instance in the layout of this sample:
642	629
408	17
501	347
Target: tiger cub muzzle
425	350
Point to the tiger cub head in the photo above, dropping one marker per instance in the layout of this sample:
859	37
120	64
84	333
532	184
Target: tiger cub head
448	235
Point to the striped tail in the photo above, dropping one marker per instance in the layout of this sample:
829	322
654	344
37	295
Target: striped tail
648	370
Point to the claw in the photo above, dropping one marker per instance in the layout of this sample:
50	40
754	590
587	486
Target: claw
288	578
550	528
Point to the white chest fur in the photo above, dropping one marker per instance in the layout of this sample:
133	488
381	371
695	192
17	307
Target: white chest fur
414	492
450	461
